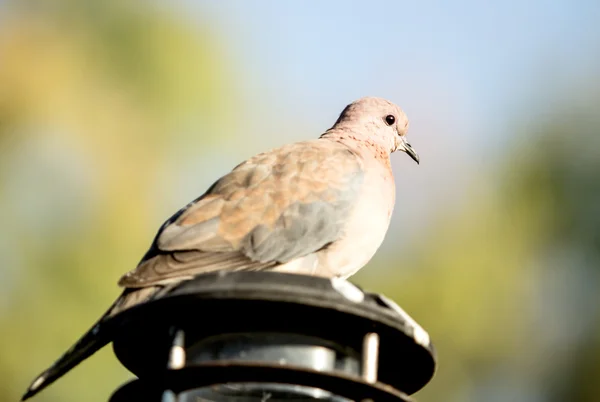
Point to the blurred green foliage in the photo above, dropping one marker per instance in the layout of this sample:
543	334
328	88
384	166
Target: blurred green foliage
93	94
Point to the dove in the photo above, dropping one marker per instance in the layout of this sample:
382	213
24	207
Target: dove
318	207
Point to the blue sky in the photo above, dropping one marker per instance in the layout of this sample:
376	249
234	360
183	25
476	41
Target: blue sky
340	50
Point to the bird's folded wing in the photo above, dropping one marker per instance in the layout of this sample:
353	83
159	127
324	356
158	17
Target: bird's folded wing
271	209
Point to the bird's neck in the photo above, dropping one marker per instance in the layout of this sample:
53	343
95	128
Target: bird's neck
358	143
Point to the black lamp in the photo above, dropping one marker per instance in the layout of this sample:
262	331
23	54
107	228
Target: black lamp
264	336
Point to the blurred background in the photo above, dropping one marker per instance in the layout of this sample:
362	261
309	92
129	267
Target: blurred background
115	114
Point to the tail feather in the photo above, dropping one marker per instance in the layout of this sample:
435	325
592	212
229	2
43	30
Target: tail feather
86	346
92	341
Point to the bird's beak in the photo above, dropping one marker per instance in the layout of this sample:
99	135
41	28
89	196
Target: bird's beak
406	147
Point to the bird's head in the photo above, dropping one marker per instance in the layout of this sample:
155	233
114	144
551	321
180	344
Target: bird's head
381	121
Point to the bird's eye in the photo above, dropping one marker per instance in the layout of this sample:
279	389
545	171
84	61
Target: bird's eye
390	119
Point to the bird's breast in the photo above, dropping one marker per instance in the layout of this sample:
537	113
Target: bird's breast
366	227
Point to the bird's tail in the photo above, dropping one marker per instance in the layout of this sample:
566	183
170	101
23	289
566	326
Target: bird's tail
92	341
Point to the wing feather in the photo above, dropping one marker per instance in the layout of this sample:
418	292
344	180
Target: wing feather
275	207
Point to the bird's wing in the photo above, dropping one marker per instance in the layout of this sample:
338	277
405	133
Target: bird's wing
271	209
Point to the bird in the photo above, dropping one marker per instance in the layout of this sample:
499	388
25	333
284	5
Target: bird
319	207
